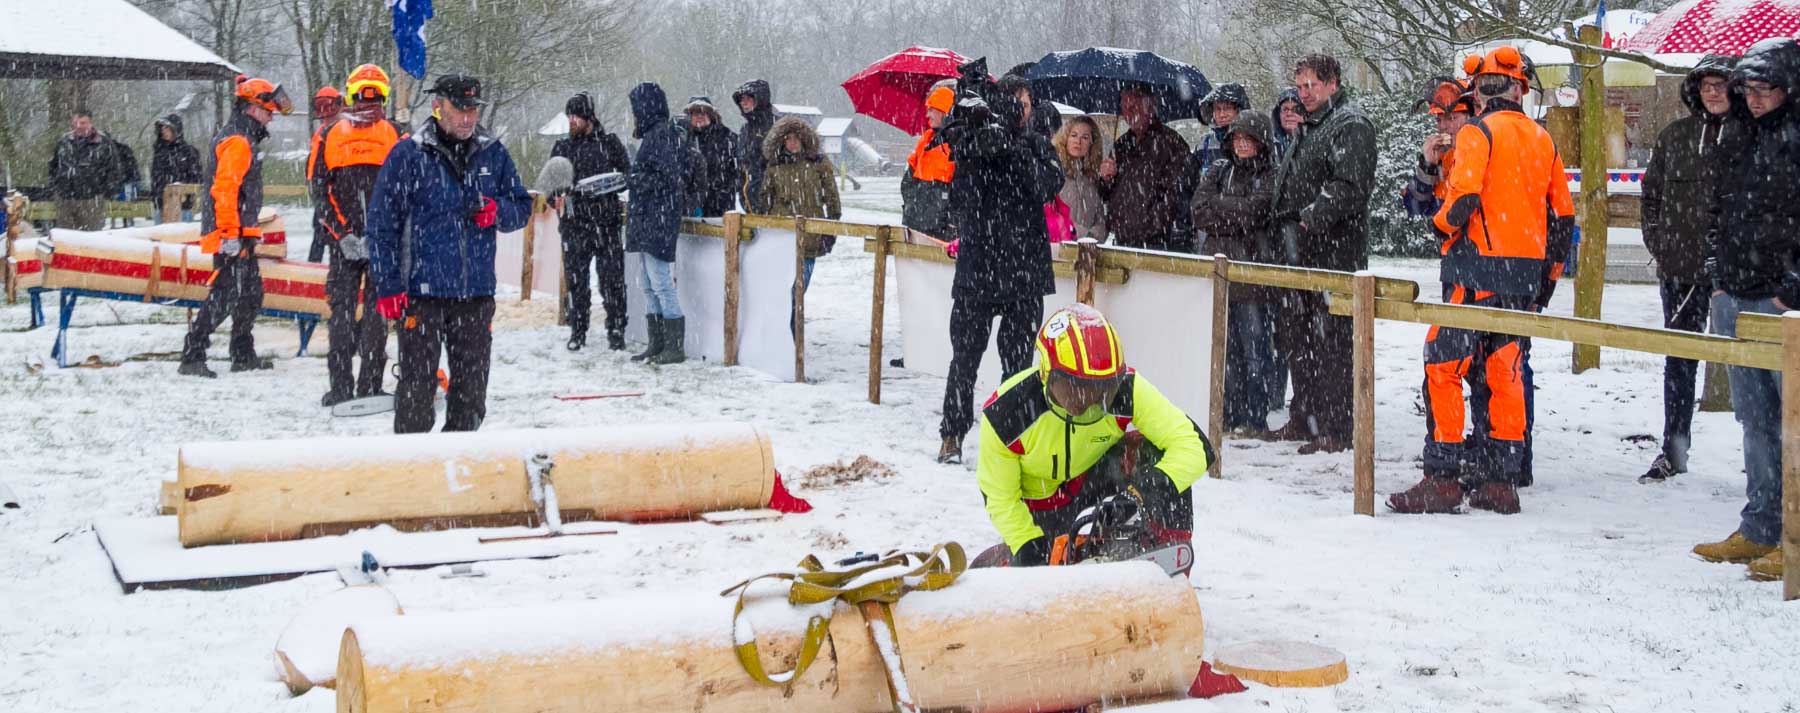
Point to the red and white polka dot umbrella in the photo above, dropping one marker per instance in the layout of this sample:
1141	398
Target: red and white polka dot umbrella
1716	26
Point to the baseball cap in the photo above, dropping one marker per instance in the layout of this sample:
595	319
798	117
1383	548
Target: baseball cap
461	90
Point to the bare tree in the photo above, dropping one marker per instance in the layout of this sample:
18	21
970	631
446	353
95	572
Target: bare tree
334	36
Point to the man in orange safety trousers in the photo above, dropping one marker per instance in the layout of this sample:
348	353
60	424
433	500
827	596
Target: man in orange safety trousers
1506	225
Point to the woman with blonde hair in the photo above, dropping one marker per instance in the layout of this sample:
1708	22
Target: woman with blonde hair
1081	211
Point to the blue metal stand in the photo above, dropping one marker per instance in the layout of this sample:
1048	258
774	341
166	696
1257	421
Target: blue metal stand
60	350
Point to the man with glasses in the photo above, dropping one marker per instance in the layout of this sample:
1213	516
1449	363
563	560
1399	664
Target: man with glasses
1079	428
1753	266
1677	193
441	199
229	203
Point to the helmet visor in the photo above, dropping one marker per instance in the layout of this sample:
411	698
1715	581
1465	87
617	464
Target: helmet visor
276	100
1084	399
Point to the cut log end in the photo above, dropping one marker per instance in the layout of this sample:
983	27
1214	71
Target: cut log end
296	681
1283	664
350	690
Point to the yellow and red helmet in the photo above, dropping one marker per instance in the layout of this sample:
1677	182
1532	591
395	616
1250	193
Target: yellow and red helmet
1077	342
367	83
264	93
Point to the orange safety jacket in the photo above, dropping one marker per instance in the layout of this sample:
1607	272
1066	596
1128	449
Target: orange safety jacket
1507	218
233	194
349	163
931	164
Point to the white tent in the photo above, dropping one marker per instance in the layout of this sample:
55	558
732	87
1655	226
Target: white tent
98	39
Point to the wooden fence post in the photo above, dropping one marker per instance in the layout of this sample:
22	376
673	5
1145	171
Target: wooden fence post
1715	394
1790	456
1086	262
734	226
171	203
1363	365
526	267
799	318
1221	333
1590	279
878	312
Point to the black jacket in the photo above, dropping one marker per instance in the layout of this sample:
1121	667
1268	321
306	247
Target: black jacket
653	217
750	140
174	161
85	168
1755	233
1679	180
1324	183
1005	173
595	152
717	180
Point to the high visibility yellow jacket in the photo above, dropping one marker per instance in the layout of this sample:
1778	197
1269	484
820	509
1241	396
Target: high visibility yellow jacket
1029	450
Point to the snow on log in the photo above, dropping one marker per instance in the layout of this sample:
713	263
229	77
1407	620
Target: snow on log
164	270
1048	638
306	653
272	244
260	491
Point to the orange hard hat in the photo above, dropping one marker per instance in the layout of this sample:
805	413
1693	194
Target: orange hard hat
942	99
328	92
1444	95
1506	61
367	83
264	93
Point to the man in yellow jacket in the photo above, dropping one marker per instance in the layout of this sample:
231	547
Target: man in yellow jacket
1077	429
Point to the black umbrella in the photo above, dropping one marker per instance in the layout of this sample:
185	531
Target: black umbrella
1091	79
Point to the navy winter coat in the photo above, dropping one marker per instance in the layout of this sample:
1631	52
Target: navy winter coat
422	235
653	217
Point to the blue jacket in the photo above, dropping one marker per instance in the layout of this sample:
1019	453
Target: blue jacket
422	216
653	217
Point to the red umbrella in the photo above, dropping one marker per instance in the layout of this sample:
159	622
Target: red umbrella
1716	26
893	89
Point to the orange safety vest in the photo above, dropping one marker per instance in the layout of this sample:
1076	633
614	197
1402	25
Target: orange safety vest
1507	216
933	163
349	144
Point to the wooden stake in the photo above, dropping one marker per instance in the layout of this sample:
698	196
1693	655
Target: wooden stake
734	227
1790	456
1363	365
799	319
1590	279
1221	330
877	311
525	268
1715	394
1085	264
171	203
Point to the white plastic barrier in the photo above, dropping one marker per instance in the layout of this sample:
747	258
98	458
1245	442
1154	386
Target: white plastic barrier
546	250
765	299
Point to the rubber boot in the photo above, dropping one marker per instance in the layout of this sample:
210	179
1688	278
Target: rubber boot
674	342
653	331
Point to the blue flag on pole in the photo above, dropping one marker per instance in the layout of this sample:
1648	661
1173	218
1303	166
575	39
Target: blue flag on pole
409	33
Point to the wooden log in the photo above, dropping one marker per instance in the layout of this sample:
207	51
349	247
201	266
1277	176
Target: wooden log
734	266
1362	359
1221	332
171	203
1590	279
1283	664
259	491
877	313
1790	458
1119	633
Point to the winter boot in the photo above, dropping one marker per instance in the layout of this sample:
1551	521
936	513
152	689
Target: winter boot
674	342
333	398
1293	430
254	363
615	340
1502	498
1736	549
1660	470
196	368
1767	568
1430	496
1324	444
577	341
950	451
653	332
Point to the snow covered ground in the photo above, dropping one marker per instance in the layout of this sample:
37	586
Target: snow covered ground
1588	601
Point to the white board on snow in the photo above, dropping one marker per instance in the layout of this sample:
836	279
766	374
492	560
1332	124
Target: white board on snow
765	299
1165	322
146	553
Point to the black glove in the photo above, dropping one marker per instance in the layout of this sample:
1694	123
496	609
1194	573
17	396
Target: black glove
1035	553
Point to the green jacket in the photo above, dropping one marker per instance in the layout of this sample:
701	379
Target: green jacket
1028	450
